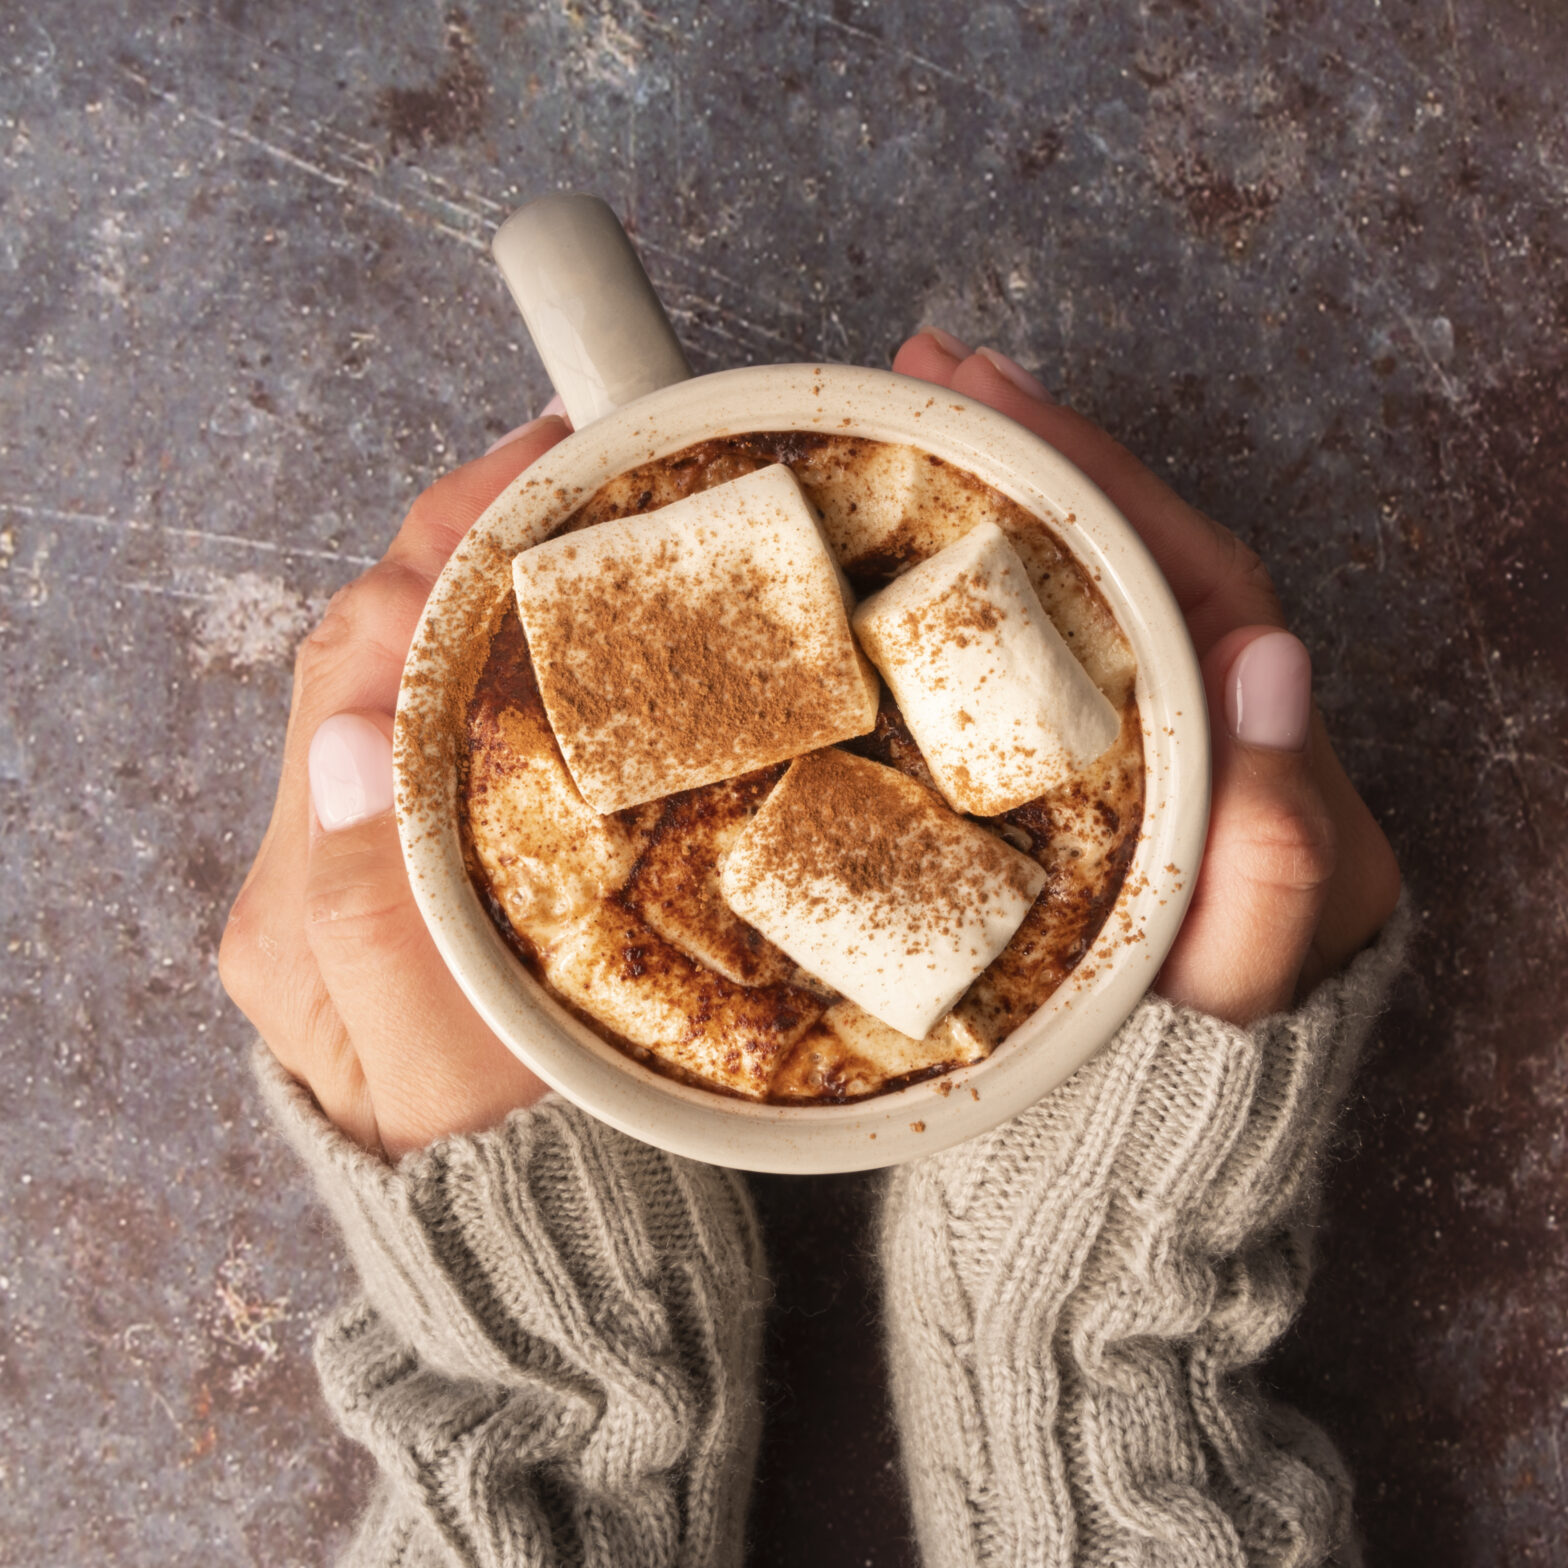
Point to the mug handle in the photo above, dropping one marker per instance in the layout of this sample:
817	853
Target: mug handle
588	304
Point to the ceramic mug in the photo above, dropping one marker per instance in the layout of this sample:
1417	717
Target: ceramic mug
615	361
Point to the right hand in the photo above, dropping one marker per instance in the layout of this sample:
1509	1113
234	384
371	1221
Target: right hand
1297	876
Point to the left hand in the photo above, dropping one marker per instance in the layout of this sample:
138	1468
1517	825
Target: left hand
325	950
1297	876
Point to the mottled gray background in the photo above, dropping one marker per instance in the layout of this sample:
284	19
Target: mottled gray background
1307	256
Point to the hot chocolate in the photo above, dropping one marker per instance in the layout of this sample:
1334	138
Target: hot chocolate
623	916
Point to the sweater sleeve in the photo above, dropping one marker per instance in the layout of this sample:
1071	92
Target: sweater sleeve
555	1356
1075	1299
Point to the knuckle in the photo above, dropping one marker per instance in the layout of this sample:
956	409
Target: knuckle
324	643
361	912
280	993
238	966
1240	591
253	963
1249	572
1295	845
319	1029
271	975
375	613
432	514
428	509
428	535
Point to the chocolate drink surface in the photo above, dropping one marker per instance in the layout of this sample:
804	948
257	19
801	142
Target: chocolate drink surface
621	917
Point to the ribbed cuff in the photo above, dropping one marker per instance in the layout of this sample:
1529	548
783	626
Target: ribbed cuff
560	1333
1073	1298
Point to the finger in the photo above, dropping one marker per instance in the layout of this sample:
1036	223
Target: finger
431	1064
1218	582
1365	886
357	652
926	343
555	406
1271	847
291	1010
353	660
264	955
451	506
931	355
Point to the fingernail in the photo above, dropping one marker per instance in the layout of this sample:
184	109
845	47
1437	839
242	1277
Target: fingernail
512	435
948	343
1016	373
350	771
554	408
1268	696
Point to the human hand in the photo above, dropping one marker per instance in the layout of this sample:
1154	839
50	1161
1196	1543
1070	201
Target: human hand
325	950
1296	875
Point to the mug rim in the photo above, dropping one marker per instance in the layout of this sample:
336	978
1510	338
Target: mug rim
1066	1030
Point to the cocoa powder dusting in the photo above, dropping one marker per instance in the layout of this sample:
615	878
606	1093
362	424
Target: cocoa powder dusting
965	607
871	835
680	684
1083	835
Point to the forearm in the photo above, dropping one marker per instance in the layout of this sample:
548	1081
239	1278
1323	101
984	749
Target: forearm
555	1356
1074	1299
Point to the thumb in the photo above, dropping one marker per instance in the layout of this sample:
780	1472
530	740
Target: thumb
1271	848
431	1064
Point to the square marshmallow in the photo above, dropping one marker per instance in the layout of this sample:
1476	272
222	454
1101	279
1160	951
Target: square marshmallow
889	499
694	643
869	882
1001	709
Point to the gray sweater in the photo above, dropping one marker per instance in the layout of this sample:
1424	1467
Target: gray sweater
555	1357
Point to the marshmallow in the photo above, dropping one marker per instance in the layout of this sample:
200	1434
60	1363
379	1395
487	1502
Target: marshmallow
1001	709
548	856
881	1053
871	884
850	1054
560	871
888	502
694	643
654	996
675	886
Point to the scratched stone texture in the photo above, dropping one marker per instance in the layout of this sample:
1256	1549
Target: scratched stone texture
1308	258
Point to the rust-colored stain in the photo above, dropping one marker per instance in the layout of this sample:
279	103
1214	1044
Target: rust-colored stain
451	109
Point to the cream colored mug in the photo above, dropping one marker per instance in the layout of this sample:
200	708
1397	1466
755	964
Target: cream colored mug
618	367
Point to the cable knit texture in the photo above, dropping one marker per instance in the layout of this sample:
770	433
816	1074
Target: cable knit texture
1074	1301
555	1357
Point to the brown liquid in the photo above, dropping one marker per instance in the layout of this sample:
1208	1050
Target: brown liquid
620	917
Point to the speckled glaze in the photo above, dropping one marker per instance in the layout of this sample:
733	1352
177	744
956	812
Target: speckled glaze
1072	1024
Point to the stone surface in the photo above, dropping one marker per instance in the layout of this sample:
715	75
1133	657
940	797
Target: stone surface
1308	259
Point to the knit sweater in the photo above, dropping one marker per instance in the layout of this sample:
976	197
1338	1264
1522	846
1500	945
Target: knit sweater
555	1356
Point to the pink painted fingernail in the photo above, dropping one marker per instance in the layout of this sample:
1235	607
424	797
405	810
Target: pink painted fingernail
555	407
1016	373
350	771
514	434
1268	693
947	342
